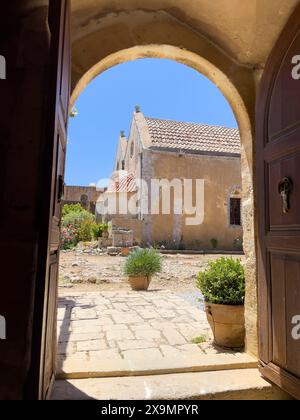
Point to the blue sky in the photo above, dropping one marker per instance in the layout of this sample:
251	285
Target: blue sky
163	89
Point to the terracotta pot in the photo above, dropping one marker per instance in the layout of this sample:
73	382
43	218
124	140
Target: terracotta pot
228	325
125	252
105	234
139	283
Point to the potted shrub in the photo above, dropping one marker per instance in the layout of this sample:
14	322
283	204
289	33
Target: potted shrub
140	266
223	288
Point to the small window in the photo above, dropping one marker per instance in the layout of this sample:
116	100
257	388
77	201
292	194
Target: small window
132	150
235	212
123	165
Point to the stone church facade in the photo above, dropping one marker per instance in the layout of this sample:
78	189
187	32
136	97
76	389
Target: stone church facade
173	152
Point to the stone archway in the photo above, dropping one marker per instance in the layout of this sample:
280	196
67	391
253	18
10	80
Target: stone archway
228	42
236	37
243	118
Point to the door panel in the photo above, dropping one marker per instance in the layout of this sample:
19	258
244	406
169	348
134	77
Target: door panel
292	308
52	173
278	301
284	93
286	167
50	337
278	160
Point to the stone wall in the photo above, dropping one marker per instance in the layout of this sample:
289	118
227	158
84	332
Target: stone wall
86	196
136	226
221	176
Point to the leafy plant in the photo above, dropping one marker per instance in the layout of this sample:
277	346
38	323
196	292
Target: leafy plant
69	237
77	217
71	208
143	262
104	226
97	230
85	232
214	243
223	282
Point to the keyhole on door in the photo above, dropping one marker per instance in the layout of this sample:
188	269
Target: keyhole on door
285	187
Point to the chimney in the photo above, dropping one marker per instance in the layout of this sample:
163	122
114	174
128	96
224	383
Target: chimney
137	109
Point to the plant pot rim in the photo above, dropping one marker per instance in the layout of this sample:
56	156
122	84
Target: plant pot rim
225	304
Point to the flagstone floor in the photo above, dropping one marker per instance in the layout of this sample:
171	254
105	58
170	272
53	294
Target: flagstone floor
126	324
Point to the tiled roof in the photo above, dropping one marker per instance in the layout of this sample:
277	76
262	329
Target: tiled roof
193	138
122	182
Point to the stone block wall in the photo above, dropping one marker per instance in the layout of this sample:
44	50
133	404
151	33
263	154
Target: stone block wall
86	196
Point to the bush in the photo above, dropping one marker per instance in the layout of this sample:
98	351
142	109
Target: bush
98	229
223	282
78	225
85	232
143	262
77	218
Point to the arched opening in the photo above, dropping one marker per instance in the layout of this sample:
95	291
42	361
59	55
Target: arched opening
237	40
228	90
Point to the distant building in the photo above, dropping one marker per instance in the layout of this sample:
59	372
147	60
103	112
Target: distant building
86	196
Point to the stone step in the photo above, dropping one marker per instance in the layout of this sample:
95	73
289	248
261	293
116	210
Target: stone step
140	364
237	384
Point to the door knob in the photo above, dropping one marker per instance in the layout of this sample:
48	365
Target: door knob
285	188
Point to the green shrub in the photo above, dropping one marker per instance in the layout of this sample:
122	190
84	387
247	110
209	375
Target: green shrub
85	232
104	226
97	230
69	237
223	282
77	218
214	243
72	208
143	262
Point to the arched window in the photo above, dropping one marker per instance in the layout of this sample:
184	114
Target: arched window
235	211
84	201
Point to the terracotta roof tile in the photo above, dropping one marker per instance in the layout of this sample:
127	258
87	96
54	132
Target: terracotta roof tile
193	138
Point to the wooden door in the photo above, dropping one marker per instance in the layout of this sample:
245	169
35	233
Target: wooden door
278	203
51	194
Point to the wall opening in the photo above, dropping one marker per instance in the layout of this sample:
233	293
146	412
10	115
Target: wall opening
114	342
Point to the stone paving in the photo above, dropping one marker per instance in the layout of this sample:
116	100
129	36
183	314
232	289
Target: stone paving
123	325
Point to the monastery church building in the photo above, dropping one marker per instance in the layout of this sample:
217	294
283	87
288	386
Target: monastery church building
204	159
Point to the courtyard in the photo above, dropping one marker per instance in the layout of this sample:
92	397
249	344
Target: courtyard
106	329
122	325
